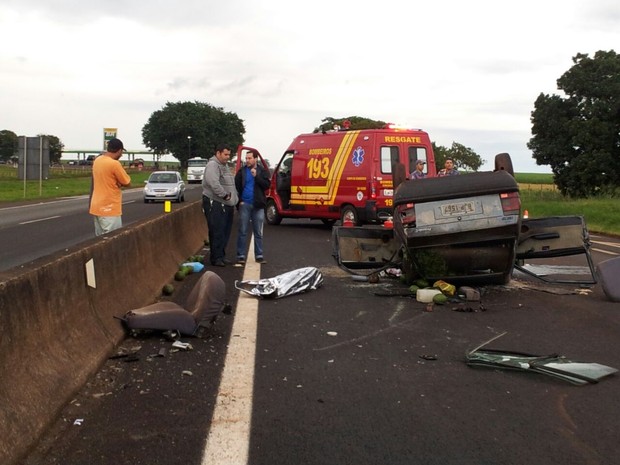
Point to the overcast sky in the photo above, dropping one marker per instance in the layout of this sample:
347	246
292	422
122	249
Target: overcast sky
464	71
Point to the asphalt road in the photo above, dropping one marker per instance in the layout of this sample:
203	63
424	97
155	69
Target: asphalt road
29	231
342	375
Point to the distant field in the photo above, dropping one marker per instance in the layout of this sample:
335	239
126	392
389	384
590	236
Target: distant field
62	182
535	182
534	178
538	187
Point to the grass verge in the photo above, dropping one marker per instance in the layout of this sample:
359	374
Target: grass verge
61	182
601	214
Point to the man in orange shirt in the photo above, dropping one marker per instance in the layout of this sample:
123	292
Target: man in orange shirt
106	196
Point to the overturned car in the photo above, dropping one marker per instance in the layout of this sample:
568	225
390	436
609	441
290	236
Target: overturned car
462	229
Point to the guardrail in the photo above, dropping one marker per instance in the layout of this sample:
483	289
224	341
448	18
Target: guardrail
57	321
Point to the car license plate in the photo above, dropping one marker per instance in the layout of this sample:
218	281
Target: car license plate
460	208
388	192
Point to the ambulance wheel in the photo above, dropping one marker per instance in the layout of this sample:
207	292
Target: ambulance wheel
349	213
271	213
504	162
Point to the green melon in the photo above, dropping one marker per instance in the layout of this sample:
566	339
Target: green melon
440	299
422	283
168	289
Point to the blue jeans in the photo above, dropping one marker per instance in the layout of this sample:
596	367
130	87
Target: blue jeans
248	213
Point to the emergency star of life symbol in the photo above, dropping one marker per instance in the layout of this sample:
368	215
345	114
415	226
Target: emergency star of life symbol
358	157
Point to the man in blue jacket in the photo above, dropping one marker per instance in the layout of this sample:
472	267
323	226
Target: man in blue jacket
251	182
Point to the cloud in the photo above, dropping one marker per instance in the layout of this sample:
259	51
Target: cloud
466	72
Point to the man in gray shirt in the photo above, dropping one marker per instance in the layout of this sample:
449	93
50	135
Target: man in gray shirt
219	197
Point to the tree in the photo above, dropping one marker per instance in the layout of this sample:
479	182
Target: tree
55	148
464	157
352	122
8	144
191	129
579	135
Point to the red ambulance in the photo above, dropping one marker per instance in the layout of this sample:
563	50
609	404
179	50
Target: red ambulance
344	174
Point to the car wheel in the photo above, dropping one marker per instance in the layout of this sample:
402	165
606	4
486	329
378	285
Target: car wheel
146	201
271	213
503	279
408	267
349	213
504	162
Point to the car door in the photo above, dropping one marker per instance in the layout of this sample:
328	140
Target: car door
550	237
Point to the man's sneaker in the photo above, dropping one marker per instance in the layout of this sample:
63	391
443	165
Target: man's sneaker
219	263
226	261
260	260
241	260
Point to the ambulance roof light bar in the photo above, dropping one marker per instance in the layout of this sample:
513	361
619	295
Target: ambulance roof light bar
401	127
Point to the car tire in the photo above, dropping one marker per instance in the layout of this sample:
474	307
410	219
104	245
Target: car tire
503	279
503	162
271	213
349	213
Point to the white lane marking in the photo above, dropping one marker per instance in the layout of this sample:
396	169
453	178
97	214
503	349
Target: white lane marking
228	441
38	204
608	244
608	252
40	219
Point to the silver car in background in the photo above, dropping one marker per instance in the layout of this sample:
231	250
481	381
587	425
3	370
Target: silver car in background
164	185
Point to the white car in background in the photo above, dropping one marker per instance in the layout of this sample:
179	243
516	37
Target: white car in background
164	185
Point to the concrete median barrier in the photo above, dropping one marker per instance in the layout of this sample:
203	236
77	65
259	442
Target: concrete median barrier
57	322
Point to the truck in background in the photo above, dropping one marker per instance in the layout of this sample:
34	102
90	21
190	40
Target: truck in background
195	169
